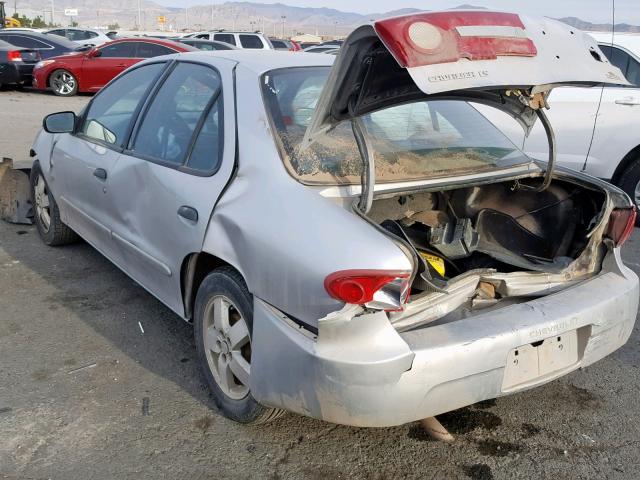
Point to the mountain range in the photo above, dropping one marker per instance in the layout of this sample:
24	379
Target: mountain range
275	18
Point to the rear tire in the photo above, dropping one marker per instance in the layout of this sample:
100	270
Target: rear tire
629	181
63	83
223	324
46	214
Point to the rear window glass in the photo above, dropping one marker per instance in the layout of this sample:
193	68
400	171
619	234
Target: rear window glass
411	141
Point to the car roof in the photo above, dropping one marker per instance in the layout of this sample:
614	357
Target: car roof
630	41
261	61
49	37
159	41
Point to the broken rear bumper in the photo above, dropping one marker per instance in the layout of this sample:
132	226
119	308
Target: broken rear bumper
362	372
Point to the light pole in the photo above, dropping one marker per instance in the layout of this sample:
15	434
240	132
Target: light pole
211	15
139	16
284	21
52	14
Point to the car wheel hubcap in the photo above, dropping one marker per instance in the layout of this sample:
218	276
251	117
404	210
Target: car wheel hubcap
64	83
43	209
228	347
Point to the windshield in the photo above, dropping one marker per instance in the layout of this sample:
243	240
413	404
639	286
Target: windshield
419	140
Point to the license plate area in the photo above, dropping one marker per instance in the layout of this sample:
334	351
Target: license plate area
533	362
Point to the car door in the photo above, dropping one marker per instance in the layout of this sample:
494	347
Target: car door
108	61
615	133
164	186
81	162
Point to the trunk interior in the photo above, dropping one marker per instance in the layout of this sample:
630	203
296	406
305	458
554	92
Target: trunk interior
492	245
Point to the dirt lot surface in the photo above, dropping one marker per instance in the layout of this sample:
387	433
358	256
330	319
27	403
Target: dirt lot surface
98	381
21	117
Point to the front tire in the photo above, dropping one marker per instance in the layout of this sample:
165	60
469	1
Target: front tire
223	324
63	83
46	214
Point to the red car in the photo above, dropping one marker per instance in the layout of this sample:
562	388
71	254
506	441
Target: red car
89	71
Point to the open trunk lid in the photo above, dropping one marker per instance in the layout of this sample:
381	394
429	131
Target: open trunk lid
504	60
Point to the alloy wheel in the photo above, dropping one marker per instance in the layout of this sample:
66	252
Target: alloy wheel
43	208
64	83
636	196
228	347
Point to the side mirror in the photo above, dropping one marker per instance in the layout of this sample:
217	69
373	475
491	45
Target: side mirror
93	52
61	122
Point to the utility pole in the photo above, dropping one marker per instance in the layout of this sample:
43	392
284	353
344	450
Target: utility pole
139	16
212	25
186	16
52	10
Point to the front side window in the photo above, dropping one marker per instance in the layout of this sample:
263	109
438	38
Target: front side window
410	141
150	50
111	112
119	50
173	117
251	41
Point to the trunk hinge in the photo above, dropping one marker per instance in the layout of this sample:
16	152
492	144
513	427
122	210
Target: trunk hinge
538	102
368	175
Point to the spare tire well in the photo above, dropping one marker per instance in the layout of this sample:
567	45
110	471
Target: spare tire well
195	267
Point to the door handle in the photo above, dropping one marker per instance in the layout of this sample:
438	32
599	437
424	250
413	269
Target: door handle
188	213
631	101
101	173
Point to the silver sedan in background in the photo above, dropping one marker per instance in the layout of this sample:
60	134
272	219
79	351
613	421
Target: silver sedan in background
353	242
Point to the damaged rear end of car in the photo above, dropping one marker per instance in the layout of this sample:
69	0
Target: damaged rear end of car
513	275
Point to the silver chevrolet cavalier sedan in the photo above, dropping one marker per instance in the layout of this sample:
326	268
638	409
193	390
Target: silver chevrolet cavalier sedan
354	242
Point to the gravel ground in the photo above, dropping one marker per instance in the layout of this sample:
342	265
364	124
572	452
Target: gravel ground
98	381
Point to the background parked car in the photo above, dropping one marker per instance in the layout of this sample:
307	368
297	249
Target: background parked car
89	71
47	45
281	44
16	64
201	44
81	36
596	128
248	40
321	49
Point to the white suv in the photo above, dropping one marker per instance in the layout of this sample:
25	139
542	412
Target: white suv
249	40
596	128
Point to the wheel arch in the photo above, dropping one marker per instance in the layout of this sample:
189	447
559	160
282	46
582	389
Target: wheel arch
626	161
195	267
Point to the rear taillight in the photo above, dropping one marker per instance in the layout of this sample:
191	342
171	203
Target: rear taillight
381	289
444	37
621	223
14	56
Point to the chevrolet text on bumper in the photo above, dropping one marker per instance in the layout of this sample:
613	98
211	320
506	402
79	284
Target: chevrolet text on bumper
354	241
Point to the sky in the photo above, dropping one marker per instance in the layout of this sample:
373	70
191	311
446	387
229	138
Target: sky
600	11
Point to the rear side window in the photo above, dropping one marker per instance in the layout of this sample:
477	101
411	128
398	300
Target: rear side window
76	35
175	117
225	37
119	50
279	44
203	35
251	41
207	149
111	111
149	50
26	42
